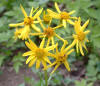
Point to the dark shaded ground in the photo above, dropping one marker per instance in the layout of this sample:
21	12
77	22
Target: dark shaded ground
10	78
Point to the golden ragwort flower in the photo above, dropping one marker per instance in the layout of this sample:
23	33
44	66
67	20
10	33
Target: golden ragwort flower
80	37
29	21
49	32
38	54
61	57
63	16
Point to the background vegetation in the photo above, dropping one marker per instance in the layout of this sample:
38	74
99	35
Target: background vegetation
85	70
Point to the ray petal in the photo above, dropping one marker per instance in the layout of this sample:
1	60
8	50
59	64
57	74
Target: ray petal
67	65
16	25
37	64
53	14
55	68
28	53
70	13
57	7
85	25
29	59
31	12
64	23
37	14
24	12
81	50
32	62
70	21
35	28
42	43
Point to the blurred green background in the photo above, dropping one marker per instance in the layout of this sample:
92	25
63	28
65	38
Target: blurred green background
85	70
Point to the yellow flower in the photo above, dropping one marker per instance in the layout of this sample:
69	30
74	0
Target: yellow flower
38	54
63	16
28	22
61	58
49	33
22	33
46	18
80	37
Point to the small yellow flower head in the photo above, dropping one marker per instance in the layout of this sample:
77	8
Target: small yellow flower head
61	58
46	18
17	33
29	21
63	16
80	37
38	54
49	32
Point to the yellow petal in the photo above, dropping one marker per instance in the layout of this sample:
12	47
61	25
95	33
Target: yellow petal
29	46
83	44
51	47
64	23
85	25
42	43
29	59
48	42
43	27
64	45
37	14
35	28
69	52
31	12
77	45
51	64
35	22
86	32
70	13
67	65
44	64
37	64
55	68
58	26
47	60
32	43
70	46
15	25
81	50
73	18
36	34
57	8
28	53
53	14
32	62
59	38
52	40
71	22
24	12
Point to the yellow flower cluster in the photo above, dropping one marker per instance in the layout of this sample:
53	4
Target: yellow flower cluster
42	53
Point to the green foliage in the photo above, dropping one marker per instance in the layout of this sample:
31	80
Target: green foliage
17	60
83	83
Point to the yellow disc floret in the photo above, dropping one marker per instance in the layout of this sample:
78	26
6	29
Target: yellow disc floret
49	32
28	20
39	53
61	57
64	15
81	35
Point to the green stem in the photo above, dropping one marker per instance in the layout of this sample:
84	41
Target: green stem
46	78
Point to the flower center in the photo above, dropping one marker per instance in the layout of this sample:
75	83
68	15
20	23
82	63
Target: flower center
39	53
46	18
49	32
64	15
61	57
28	20
81	36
